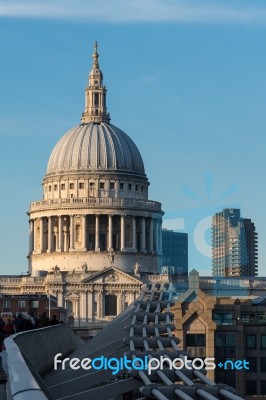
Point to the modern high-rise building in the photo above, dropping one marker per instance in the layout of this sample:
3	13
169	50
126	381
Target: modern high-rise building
251	238
234	244
175	252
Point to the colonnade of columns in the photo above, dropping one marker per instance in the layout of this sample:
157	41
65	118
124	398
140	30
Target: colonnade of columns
89	305
69	233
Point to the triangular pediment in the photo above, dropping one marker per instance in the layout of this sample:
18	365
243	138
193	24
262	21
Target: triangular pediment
72	296
111	275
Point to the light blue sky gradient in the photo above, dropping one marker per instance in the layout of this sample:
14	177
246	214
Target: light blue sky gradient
186	80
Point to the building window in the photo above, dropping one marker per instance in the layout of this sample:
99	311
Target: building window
121	186
55	187
227	376
6	304
96	99
95	306
130	186
223	318
251	387
195	344
71	186
21	304
261	318
101	185
225	340
263	364
50	188
137	188
249	318
141	188
35	304
251	341
225	345
263	341
252	364
263	387
110	305
63	186
81	185
112	185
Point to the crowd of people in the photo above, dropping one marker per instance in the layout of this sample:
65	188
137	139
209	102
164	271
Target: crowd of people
20	323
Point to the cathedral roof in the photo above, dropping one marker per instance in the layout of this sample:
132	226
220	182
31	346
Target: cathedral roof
91	147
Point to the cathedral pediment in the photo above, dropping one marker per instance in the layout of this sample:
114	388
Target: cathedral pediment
72	296
111	275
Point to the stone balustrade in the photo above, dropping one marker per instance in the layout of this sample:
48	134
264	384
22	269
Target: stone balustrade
96	202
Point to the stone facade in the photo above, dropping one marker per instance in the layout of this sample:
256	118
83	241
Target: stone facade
95	230
84	294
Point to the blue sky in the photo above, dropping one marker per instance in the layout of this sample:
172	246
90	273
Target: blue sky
186	80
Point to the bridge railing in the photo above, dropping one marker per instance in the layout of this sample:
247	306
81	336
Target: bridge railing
31	354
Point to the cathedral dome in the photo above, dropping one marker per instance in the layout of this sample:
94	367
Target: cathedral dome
95	210
95	147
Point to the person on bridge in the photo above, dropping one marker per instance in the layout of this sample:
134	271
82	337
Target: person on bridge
8	329
20	323
43	320
54	321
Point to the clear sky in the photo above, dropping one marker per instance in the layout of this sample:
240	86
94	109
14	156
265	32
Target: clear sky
186	80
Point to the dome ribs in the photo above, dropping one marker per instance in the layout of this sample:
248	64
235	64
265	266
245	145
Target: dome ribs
111	146
91	147
103	144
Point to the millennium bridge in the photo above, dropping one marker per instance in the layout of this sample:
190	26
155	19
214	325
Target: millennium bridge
143	332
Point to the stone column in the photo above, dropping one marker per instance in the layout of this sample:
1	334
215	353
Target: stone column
71	232
151	236
34	236
31	236
65	245
157	243
76	308
84	233
101	312
119	303
56	237
110	233
60	298
90	305
59	249
160	236
134	248
97	233
41	235
50	235
143	235
83	307
122	233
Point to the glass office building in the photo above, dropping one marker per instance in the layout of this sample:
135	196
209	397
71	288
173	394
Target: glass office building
175	253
